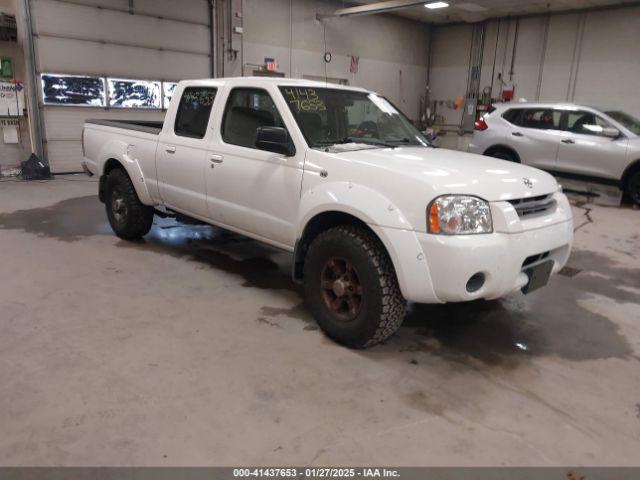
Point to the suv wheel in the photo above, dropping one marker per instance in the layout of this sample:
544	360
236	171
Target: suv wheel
129	218
351	287
633	188
503	154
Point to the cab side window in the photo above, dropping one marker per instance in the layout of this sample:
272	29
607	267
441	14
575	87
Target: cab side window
194	110
247	110
541	118
585	123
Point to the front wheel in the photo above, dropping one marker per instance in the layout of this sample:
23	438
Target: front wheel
129	218
351	287
633	188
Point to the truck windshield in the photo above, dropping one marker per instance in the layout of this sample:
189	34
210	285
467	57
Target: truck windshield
329	117
629	121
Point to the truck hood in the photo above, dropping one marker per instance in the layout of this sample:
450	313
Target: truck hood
449	171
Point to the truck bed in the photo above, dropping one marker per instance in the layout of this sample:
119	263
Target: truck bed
147	126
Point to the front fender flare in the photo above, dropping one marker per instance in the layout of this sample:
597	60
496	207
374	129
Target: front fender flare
360	201
388	223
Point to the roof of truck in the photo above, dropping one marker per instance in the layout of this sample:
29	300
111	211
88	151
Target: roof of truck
279	81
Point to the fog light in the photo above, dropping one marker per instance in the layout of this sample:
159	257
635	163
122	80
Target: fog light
476	282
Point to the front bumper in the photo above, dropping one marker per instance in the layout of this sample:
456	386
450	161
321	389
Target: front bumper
437	268
499	257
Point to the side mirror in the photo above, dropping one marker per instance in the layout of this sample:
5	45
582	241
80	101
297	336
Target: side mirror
276	140
610	132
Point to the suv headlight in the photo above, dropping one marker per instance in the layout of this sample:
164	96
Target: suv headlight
459	215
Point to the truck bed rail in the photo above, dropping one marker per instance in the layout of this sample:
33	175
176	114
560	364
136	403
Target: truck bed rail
147	126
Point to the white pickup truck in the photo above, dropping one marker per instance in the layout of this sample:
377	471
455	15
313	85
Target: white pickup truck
373	215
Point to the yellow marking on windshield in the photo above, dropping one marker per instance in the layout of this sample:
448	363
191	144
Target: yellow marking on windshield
304	99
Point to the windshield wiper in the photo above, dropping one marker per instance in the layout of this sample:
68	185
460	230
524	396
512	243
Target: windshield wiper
345	140
408	141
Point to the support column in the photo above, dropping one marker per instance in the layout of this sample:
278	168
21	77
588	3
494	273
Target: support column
25	32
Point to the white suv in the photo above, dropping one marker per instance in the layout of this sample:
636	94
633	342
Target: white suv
569	140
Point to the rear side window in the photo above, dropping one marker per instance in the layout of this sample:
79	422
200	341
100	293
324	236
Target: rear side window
247	110
513	115
194	111
541	118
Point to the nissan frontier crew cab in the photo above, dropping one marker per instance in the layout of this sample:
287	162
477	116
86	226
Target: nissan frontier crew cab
373	215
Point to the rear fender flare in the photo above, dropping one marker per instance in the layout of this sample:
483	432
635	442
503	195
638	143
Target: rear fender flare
124	153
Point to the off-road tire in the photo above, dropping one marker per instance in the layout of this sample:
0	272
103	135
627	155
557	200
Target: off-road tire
382	307
633	188
134	219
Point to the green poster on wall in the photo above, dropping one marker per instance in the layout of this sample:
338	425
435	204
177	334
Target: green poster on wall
6	69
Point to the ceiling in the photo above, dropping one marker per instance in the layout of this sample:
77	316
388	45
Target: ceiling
478	10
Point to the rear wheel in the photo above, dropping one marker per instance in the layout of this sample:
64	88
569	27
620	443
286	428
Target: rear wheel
633	188
503	154
129	218
351	287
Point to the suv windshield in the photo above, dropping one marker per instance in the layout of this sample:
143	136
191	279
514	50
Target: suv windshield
629	121
329	117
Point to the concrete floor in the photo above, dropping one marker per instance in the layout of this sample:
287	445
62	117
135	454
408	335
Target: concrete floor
194	348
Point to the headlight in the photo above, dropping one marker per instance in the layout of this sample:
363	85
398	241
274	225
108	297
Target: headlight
459	215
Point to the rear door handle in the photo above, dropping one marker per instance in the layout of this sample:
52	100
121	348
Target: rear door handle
214	158
170	149
567	140
517	134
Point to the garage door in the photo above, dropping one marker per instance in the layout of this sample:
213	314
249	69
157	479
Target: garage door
112	59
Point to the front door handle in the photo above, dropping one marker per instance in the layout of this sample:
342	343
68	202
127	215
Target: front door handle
216	158
567	140
170	149
517	134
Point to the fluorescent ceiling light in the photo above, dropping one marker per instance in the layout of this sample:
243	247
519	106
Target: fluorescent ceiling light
434	5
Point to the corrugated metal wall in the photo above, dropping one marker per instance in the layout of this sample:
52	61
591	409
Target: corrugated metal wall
155	40
588	57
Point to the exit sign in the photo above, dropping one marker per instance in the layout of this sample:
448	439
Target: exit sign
270	64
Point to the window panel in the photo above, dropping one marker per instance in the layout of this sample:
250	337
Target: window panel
134	93
586	123
72	90
541	118
168	89
629	121
194	110
513	116
248	109
330	116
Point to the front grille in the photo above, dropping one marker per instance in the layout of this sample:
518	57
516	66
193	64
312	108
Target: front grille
533	205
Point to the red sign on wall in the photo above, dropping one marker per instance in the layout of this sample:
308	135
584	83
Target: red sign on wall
270	64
